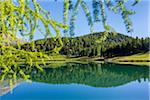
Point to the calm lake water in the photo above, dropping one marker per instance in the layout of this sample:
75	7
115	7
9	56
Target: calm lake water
74	81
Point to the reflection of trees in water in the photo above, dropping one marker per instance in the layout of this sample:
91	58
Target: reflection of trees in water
97	75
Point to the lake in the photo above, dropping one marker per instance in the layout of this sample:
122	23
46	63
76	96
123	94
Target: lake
90	81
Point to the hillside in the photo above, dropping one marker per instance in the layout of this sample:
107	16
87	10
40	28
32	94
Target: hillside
87	45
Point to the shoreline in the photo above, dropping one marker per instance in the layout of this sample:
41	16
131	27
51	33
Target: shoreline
94	60
136	59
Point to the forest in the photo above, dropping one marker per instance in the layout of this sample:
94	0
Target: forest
88	45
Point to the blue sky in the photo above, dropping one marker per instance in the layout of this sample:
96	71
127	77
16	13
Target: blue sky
140	19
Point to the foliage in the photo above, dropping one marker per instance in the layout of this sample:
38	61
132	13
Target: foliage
10	67
99	6
19	18
66	10
96	11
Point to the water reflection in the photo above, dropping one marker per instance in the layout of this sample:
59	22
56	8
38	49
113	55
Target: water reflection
95	75
91	82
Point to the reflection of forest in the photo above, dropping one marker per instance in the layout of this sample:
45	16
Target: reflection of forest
97	75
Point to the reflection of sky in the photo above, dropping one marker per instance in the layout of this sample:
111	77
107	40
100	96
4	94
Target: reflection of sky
140	19
41	91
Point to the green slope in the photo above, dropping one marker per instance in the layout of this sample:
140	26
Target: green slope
136	59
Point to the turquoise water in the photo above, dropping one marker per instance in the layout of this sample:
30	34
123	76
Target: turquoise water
91	81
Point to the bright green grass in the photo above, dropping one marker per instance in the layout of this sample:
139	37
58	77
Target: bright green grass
136	59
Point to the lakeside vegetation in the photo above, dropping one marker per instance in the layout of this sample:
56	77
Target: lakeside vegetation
116	48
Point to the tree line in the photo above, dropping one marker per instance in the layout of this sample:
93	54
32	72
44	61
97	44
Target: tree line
114	45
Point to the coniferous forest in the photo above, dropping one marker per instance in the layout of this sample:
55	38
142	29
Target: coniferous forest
88	45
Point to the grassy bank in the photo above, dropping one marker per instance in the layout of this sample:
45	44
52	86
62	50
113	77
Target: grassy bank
136	59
